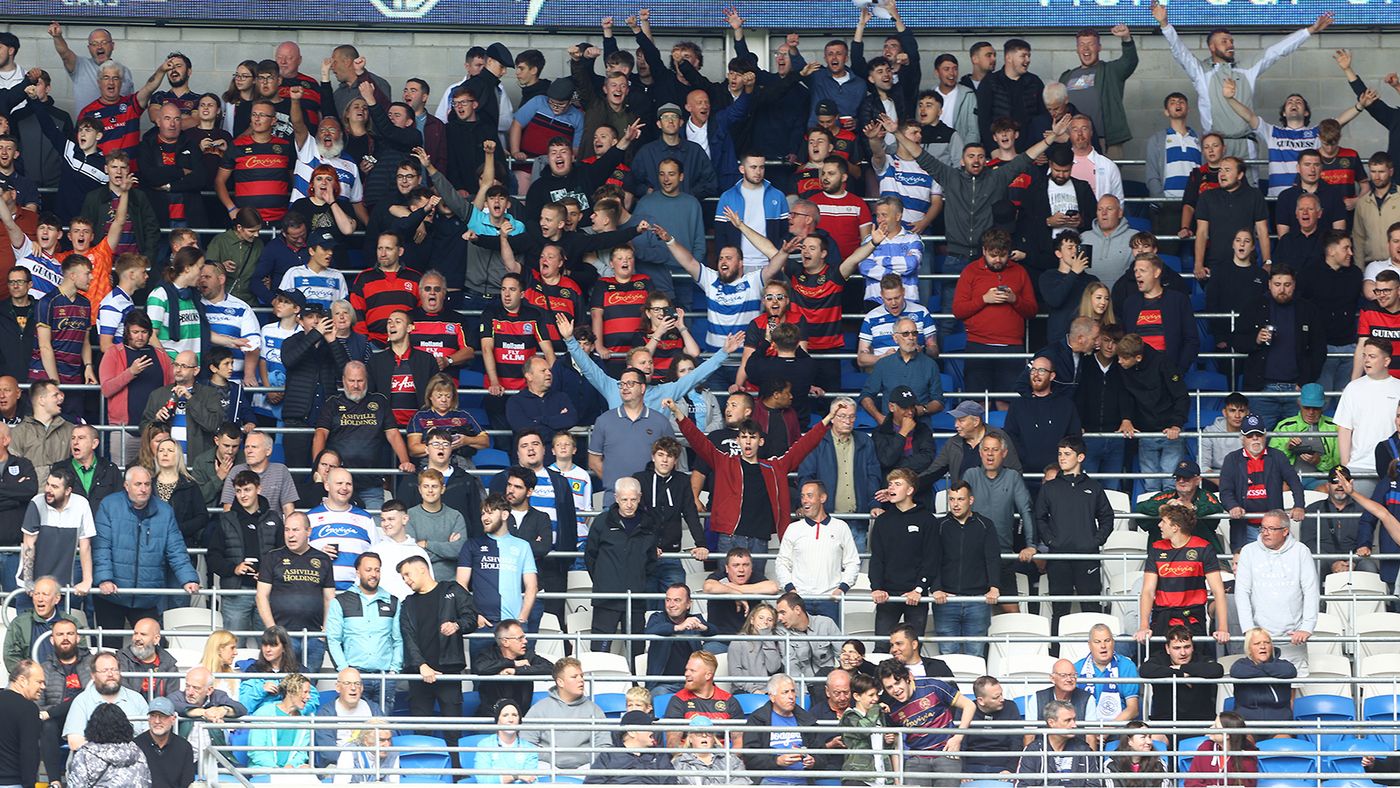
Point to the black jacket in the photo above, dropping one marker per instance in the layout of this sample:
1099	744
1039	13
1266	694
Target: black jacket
1309	339
1067	520
642	766
1037	424
20	729
812	741
381	371
18	486
618	560
171	766
446	602
106	479
967	560
1099	395
895	537
674	504
1020	99
565	538
1033	236
226	546
16	345
889	447
1182	699
312	365
190	511
1155	394
521	691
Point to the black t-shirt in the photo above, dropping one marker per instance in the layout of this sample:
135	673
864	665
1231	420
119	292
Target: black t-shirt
298	582
990	739
357	428
138	391
319	217
1228	213
756	509
722	614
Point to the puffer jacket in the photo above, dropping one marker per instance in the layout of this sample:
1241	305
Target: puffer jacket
617	560
226	548
138	549
54	678
119	765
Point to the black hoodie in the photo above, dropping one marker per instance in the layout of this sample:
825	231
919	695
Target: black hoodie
670	497
1072	515
895	537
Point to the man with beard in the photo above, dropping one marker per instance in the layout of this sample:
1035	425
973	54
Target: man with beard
732	297
106	687
323	147
362	623
179	94
143	658
499	569
1054	202
56	525
67	672
524	491
357	423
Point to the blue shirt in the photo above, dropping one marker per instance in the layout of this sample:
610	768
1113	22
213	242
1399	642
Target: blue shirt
878	326
786	740
1124	669
499	565
920	374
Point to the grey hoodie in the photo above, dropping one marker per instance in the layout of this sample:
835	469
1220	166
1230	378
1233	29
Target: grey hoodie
1277	589
1213	450
553	709
712	773
1113	256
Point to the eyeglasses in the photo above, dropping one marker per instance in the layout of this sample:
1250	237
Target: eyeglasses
628	383
351	683
406	176
263	115
267	77
186	366
1063	675
906	333
439	445
1041	371
1273	528
1383	290
239	75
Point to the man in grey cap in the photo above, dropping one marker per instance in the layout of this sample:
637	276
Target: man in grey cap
169	756
700	179
960	454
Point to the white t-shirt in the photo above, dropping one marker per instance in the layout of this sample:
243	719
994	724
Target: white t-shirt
1374	268
753	217
1367	409
1062	200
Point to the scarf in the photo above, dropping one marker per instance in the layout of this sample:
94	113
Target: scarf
1108	702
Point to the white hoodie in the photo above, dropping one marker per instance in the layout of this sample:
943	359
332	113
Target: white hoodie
1277	589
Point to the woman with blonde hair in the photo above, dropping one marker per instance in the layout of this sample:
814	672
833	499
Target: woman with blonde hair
1097	302
441	410
1263	702
219	652
757	659
173	484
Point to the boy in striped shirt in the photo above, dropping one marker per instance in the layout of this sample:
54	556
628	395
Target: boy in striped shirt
131	274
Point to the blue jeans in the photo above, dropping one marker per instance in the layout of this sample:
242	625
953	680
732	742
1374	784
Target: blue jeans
860	531
952	264
962	619
314	655
1159	455
1275	409
665	572
371	496
240	614
728	542
1336	372
1103	457
824	606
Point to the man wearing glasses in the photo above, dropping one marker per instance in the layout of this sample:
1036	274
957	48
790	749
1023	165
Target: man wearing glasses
622	437
1276	587
908	366
83	70
120	112
1038	422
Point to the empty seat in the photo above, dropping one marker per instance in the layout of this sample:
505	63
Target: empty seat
1378	626
1283	756
1385	668
1328	666
1367	584
1329	625
596	663
966	668
750	702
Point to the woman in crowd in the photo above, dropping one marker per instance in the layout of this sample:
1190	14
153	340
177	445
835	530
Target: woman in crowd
1224	751
1263	702
852	658
312	488
130	371
506	758
324	206
667	337
109	759
240	89
704	407
1097	302
174	485
220	650
152	433
277	657
757	659
441	408
343	318
1136	760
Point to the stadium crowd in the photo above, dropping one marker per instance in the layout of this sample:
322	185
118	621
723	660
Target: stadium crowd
407	367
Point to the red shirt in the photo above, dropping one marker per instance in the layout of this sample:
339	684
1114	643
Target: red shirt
622	304
994	324
841	218
1380	324
121	124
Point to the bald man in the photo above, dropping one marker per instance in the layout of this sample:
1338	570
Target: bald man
18	486
288	57
350	702
1064	685
12	405
201	700
193	410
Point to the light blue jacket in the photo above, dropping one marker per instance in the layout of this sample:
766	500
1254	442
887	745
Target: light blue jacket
359	634
139	549
519	758
263	739
675	390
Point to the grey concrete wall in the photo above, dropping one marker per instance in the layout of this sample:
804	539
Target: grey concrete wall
437	57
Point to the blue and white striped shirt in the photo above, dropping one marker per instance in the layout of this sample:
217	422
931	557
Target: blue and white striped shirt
901	255
44	272
730	306
908	181
111	312
878	326
232	317
319	287
1183	154
1284	145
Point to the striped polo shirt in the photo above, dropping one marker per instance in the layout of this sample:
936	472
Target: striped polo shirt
112	312
1284	145
232	317
902	254
262	177
319	287
914	187
729	305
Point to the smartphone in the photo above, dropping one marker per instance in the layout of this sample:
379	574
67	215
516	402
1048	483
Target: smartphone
669	313
1072	212
1088	252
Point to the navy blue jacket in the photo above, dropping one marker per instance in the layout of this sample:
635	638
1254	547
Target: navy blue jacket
554	412
668	641
821	465
276	259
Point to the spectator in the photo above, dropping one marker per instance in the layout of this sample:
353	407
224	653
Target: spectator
304	582
1068	521
193	410
175	486
537	498
577	717
806	657
1252	482
632	754
1000	496
908	367
105	691
1064	687
1363	414
782	710
350	702
441	410
512	655
1376	214
508	749
1036	423
678	629
758	659
1331	287
31	624
1011	91
241	537
310	359
1276	590
113	759
1187	492
276	483
968	564
995	299
622	438
1316	454
16	323
814	568
904	529
1323	532
56	524
1213	450
1062	288
202	700
710	766
991	706
1052	204
1110	702
1182	699
43	436
1260	701
1155	400
620	552
362	623
357	424
667	492
735	577
957	456
1296	358
130	526
1106	179
214	467
67	672
904	647
97	477
1162	317
22	727
143	657
295	690
539	404
436	521
1226	743
1223	212
920	703
62	319
498	567
1100	396
339	528
402	374
901	440
845	463
276	656
1173	154
876	338
168	756
434	621
639	358
1073	755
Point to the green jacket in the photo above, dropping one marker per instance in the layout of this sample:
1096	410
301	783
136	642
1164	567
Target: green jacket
19	638
228	246
1207	504
859	756
1110	77
1331	454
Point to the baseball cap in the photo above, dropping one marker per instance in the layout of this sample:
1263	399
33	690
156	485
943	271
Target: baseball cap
1312	396
313	308
295	296
827	107
637	719
1338	473
561	89
1252	424
903	396
968	408
671	108
1187	469
161	706
322	238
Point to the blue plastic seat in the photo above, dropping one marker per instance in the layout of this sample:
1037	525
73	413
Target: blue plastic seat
436	761
238	737
1287	756
612	703
328	698
1325	708
471	703
987	784
1348	764
420	741
468	759
1190	746
491	458
1383	708
750	701
538	696
660	702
